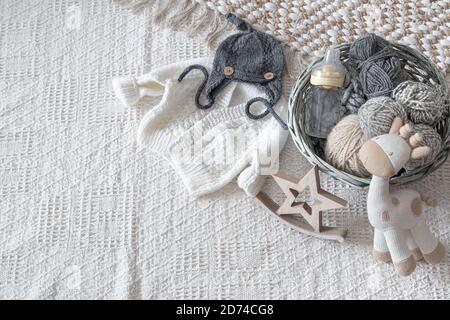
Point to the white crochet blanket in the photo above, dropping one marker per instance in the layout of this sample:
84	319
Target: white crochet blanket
84	214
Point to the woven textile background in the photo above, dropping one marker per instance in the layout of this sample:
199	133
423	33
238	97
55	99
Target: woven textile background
85	214
311	25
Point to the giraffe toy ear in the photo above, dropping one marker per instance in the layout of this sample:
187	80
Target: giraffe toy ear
406	131
396	125
415	140
420	152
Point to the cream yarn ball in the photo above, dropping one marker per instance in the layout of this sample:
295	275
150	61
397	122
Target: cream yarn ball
424	103
377	114
343	144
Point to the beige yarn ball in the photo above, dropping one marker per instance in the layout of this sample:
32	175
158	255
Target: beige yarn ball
343	144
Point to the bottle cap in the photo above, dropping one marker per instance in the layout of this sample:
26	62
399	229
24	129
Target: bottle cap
330	72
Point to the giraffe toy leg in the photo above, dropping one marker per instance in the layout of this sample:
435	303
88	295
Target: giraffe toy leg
433	251
413	247
404	262
380	248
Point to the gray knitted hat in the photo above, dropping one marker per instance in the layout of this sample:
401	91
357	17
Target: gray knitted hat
250	56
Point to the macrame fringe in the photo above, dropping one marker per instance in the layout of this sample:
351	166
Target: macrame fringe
160	13
216	28
203	17
195	19
294	62
187	15
183	17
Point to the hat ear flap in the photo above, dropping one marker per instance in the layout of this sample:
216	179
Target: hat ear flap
202	86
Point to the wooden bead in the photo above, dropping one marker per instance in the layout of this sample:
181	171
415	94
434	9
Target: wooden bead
268	75
228	71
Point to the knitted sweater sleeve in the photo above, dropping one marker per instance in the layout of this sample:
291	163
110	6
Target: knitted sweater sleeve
265	156
129	89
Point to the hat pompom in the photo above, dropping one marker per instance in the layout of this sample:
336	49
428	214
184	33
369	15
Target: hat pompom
239	23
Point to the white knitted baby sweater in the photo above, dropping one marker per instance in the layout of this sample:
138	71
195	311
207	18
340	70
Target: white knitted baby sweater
207	148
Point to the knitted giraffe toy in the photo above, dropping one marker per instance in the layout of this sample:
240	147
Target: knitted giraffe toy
401	233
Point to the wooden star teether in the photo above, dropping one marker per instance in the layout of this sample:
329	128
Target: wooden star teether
311	211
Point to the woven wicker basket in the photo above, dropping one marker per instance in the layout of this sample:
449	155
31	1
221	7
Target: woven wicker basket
418	66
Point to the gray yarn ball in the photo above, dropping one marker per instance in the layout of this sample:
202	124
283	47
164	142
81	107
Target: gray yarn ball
381	73
353	97
377	114
430	138
367	46
375	70
424	103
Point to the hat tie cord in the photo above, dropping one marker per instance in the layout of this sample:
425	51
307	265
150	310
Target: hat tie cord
202	86
269	109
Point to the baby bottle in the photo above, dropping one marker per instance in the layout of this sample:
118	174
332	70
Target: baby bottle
323	107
